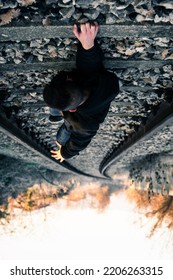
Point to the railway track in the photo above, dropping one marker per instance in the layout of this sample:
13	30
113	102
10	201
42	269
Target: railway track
140	111
154	124
35	144
27	33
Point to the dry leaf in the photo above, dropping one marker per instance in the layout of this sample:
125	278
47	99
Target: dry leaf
164	53
46	21
8	16
140	49
139	44
26	2
130	52
52	51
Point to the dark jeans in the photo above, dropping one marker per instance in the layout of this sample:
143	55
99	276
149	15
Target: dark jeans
63	134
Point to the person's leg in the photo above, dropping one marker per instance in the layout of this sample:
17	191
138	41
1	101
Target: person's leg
63	134
55	115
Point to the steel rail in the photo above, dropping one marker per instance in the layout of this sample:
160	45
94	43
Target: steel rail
153	124
24	33
42	104
21	137
38	89
118	31
68	65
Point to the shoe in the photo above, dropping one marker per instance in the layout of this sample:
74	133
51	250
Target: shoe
55	118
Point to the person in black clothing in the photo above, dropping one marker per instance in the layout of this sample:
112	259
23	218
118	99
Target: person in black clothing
82	96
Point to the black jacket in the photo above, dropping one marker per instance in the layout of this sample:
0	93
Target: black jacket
103	86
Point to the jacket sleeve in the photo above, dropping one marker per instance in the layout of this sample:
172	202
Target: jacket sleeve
89	60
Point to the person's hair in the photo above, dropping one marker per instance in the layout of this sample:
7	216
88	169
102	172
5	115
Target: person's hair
63	94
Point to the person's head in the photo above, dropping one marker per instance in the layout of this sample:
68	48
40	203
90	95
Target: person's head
63	93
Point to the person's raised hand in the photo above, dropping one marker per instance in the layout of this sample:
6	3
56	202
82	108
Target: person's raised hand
87	34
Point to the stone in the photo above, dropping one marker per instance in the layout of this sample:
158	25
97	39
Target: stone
166	5
36	44
137	3
110	19
40	57
49	2
2	60
83	19
140	18
77	15
124	5
46	21
67	41
171	17
167	68
92	15
8	4
67	13
17	61
157	19
66	1
83	3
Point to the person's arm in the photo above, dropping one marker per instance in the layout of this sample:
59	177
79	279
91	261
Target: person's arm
89	55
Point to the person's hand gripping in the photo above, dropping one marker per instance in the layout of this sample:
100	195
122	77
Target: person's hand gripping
57	153
87	34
